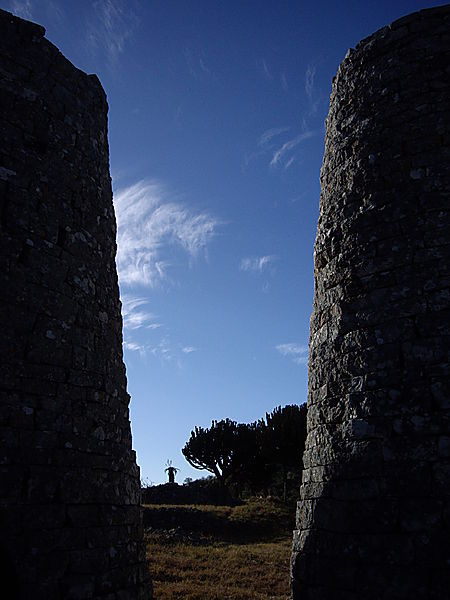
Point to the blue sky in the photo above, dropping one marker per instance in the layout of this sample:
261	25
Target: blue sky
216	130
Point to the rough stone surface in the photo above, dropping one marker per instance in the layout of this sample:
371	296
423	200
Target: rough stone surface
70	517
374	515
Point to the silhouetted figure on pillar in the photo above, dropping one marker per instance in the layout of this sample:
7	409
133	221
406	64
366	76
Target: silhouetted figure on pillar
171	471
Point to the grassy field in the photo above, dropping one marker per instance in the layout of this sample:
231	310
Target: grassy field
220	553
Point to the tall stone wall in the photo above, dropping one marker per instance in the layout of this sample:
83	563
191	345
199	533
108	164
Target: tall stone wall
69	486
374	516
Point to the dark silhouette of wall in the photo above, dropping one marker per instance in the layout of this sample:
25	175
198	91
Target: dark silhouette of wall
373	520
70	516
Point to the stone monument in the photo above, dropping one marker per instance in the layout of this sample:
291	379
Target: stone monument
374	516
70	513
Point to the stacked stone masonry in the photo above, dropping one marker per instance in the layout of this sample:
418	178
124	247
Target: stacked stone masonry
70	517
374	516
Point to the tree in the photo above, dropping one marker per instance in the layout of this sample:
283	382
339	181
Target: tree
250	467
286	436
213	449
251	457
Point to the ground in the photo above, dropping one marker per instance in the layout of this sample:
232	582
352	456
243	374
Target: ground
220	553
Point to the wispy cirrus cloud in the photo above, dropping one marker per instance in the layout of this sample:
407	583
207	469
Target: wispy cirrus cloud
167	352
262	64
294	351
32	9
135	347
288	152
114	23
155	231
136	319
279	156
21	8
313	95
271	74
284	153
135	315
152	224
163	350
269	134
196	63
309	80
189	349
289	163
257	264
265	144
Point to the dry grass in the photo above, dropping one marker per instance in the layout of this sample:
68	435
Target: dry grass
220	572
223	570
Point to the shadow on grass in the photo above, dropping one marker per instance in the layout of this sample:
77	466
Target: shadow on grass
256	521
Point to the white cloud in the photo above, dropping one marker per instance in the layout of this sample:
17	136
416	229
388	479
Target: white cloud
280	154
196	64
309	80
189	349
134	317
269	134
55	11
313	95
248	158
22	8
257	264
203	66
289	163
298	353
150	223
267	73
163	350
190	62
114	24
34	11
134	347
285	155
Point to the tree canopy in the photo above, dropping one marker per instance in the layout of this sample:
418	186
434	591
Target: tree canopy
212	448
286	436
252	456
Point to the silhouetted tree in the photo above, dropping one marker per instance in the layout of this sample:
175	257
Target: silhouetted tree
251	457
213	449
250	465
286	436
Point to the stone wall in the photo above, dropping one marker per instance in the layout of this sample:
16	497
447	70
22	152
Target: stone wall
70	517
374	516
